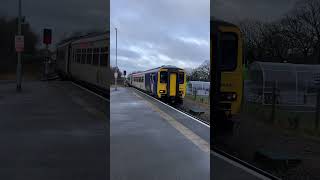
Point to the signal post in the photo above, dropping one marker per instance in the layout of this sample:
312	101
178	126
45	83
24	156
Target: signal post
47	38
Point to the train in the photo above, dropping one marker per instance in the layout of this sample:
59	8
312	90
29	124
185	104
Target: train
226	70
167	83
85	59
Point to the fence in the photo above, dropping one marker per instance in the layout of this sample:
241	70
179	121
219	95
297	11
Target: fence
295	84
200	88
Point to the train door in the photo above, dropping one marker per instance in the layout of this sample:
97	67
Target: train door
69	56
147	82
152	84
155	84
173	84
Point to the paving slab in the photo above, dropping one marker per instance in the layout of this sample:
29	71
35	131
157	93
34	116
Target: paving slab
48	132
144	145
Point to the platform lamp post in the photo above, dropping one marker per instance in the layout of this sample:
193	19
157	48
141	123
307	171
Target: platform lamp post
116	73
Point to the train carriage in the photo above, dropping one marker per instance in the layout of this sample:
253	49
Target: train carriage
166	82
85	59
226	70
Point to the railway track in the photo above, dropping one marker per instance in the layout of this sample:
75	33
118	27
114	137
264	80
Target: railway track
196	117
179	109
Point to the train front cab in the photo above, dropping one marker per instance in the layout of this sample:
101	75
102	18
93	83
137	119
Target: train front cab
171	85
231	84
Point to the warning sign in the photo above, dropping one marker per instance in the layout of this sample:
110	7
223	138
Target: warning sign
19	43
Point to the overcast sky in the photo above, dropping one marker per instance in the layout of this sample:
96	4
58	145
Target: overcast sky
236	10
152	33
63	16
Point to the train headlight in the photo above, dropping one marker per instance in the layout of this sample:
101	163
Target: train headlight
162	91
228	96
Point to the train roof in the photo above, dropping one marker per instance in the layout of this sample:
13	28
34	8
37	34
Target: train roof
214	23
84	38
101	37
156	69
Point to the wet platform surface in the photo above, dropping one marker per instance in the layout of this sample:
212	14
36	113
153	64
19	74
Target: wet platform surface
52	130
150	143
145	145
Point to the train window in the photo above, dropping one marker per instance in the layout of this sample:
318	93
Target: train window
104	59
229	51
181	77
96	50
104	50
89	56
163	77
78	55
83	56
95	60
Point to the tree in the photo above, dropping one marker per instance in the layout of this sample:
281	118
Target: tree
296	35
113	70
8	30
307	14
201	73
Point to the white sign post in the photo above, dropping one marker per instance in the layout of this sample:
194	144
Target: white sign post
19	43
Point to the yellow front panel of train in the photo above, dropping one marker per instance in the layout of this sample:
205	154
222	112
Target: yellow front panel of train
173	84
232	81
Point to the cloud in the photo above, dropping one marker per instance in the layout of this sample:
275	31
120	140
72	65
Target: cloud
161	32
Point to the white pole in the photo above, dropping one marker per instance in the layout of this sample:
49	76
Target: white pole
115	78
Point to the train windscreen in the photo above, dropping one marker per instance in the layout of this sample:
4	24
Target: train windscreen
229	51
163	77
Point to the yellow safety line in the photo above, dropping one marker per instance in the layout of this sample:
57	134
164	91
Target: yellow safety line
194	138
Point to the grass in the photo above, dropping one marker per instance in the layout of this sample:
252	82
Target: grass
201	99
301	122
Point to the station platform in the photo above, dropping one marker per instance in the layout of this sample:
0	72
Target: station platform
52	130
148	142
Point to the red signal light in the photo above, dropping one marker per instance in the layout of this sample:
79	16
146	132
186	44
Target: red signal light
47	36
